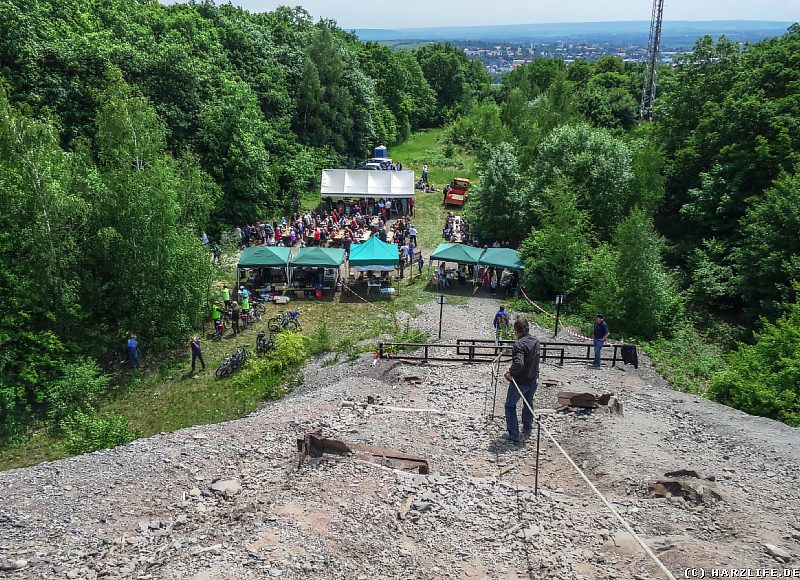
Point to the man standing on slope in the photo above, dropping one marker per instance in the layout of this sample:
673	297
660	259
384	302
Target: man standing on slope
525	371
133	351
601	333
197	353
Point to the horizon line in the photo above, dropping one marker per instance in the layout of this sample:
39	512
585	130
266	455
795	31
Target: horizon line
782	22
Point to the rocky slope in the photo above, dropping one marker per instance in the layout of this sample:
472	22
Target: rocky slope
229	500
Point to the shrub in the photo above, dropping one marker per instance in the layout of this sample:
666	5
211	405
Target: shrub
687	361
409	334
267	372
85	432
76	389
349	348
321	340
764	378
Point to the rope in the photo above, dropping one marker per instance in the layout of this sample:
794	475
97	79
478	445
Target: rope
346	287
611	508
566	328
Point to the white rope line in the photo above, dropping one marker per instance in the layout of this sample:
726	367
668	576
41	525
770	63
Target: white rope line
611	508
565	327
346	287
416	410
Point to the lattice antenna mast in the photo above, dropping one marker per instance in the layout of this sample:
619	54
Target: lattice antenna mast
651	64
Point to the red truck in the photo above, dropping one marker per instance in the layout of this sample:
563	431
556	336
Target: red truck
456	193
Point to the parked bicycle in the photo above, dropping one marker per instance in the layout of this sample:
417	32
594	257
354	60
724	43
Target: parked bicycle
235	362
287	321
264	343
258	310
220	328
253	315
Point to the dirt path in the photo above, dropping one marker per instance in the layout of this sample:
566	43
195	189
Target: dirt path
148	509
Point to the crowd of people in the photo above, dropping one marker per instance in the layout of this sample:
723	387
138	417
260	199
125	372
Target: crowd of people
456	229
493	280
345	223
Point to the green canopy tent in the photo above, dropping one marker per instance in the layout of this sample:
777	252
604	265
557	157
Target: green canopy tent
374	255
264	257
457	254
505	258
326	259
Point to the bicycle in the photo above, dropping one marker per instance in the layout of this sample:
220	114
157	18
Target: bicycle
235	361
220	328
287	321
264	343
251	316
259	309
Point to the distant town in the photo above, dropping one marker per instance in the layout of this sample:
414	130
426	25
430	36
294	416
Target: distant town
506	47
500	58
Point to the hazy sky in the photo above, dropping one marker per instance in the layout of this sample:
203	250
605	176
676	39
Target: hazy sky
420	13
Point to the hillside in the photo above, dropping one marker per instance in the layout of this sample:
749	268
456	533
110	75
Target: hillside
147	509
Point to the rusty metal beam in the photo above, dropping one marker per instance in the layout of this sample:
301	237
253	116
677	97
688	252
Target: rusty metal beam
315	445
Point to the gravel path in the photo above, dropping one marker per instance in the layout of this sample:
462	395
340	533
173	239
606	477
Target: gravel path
229	501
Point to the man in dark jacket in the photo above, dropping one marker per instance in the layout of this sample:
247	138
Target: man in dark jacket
197	352
601	333
525	371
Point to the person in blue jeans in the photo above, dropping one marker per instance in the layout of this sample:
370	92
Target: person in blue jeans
197	353
601	333
524	370
133	351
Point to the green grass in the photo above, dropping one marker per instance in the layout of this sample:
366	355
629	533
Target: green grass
425	147
165	396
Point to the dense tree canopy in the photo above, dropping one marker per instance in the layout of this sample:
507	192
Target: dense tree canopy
127	128
716	173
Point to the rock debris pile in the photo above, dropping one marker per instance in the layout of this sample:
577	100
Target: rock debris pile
229	500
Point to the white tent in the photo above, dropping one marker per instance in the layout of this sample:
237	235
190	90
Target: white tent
368	184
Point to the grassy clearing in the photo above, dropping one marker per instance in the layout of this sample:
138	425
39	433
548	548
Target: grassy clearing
165	395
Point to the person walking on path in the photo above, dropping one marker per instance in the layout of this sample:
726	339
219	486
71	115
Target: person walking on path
501	321
133	351
412	234
197	353
601	333
525	371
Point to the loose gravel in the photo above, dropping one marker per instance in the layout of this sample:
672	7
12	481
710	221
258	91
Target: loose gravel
231	501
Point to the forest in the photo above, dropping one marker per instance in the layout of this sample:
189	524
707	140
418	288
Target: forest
684	231
127	128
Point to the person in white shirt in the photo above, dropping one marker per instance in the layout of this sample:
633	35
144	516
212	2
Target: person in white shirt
412	234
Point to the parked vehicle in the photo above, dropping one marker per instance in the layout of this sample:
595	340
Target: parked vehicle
456	193
264	343
234	363
286	321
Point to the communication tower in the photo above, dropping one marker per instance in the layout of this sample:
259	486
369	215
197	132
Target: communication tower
651	64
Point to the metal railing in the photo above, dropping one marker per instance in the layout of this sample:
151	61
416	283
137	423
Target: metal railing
484	350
